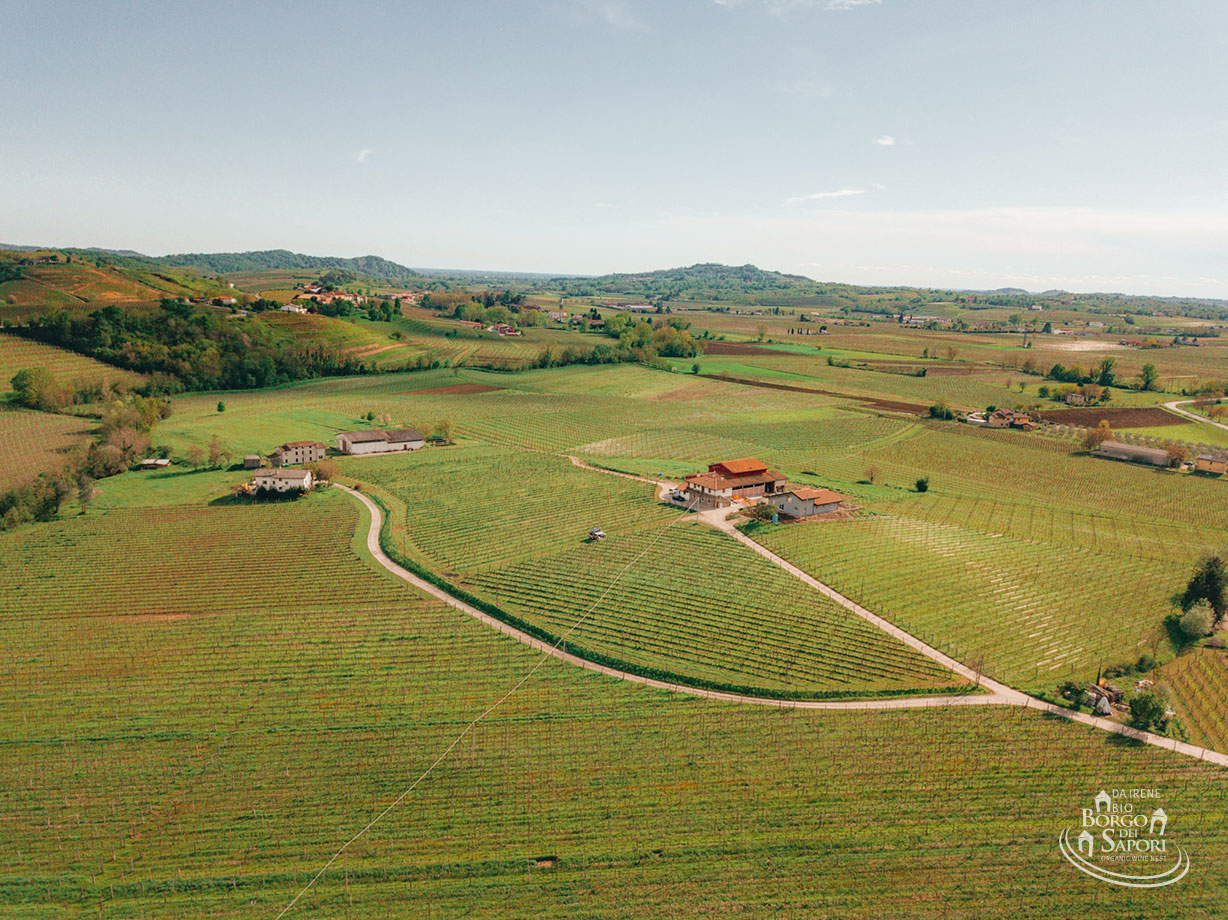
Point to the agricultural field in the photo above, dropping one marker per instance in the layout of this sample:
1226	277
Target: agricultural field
36	442
18	354
1197	683
206	758
982	565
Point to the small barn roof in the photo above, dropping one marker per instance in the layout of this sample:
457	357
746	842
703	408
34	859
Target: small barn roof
361	437
819	496
404	434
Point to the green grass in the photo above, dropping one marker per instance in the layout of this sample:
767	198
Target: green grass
199	705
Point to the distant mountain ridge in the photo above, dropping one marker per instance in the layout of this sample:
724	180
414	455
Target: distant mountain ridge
711	274
376	268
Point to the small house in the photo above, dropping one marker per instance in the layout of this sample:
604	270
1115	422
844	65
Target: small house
155	463
1075	399
1206	463
251	462
282	480
804	501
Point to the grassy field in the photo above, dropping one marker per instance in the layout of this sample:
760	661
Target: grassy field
200	737
36	442
18	354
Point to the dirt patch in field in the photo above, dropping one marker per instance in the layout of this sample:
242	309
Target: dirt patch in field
740	348
887	405
370	351
1120	417
456	389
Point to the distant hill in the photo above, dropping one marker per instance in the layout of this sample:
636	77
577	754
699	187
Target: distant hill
375	268
38	281
703	281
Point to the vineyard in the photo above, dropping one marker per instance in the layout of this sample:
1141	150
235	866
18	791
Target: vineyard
477	508
68	367
704	607
1030	614
1198	682
199	745
36	442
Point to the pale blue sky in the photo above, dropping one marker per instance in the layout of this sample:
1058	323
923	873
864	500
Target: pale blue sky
1036	143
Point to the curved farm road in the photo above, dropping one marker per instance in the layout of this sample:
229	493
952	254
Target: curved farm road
1000	694
1175	406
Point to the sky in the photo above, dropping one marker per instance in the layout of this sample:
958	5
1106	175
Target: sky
1076	144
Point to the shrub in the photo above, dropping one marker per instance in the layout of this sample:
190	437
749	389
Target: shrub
1147	710
923	484
941	410
1197	622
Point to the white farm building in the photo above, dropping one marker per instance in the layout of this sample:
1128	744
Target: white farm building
378	441
282	480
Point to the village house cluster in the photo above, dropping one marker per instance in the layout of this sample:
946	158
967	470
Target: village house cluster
748	481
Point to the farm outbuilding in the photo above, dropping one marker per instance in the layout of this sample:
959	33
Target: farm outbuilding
251	462
281	480
1115	450
804	501
378	441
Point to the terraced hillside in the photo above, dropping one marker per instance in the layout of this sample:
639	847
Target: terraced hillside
168	757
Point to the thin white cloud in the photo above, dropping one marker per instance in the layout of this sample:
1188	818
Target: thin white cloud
613	13
809	89
850	4
885	140
821	196
363	155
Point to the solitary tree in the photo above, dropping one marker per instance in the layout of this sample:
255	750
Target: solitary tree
1149	377
221	406
215	452
923	484
1209	583
195	456
1098	435
872	474
85	492
1104	375
443	429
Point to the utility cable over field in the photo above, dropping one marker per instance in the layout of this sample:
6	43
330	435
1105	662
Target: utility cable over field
547	650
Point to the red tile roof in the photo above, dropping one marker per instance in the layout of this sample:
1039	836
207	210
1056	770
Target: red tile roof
740	467
711	481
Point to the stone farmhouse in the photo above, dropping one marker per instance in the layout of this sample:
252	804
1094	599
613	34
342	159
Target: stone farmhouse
378	441
282	480
1008	418
1206	463
298	452
804	501
733	480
